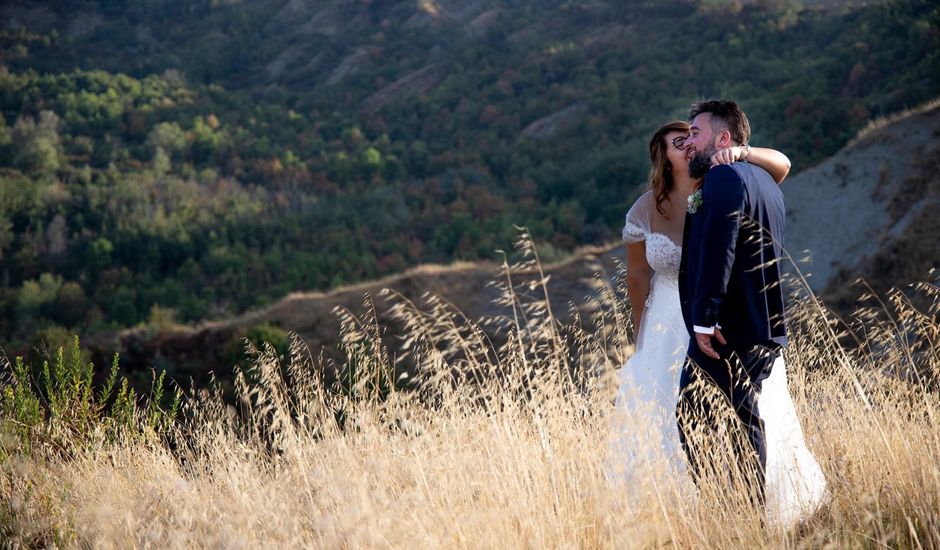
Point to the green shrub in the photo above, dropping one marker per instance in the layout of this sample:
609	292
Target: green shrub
61	408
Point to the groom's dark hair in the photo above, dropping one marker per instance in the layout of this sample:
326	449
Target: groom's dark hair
730	115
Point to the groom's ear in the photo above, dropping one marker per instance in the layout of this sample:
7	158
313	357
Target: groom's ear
724	139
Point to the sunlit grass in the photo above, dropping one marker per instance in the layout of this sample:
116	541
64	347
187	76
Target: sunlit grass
493	442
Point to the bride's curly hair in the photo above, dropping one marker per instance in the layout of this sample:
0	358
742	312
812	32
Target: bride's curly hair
660	180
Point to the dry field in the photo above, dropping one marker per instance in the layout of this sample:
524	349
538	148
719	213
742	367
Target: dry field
489	445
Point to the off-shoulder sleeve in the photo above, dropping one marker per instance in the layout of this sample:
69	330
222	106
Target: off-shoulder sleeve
637	225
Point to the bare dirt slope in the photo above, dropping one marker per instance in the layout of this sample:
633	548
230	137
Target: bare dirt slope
871	210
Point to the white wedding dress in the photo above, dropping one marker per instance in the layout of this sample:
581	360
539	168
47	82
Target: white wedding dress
649	386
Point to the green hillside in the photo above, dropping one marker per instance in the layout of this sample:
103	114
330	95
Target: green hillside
188	159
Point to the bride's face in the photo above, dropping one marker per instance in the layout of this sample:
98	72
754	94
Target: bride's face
677	152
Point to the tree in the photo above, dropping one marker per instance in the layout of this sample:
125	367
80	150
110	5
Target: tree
6	233
6	140
167	136
70	304
36	146
161	162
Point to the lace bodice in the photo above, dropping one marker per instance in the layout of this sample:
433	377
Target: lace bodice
662	253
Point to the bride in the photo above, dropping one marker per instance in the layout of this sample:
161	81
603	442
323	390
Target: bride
649	381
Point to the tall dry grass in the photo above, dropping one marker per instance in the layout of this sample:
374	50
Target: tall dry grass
495	443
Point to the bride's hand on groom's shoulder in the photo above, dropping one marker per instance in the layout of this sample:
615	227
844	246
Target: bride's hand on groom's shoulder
728	155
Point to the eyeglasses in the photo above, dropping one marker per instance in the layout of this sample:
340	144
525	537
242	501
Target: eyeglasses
679	143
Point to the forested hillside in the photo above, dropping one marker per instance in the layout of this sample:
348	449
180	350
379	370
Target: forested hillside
187	159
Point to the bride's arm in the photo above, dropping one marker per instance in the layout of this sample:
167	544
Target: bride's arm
638	281
775	162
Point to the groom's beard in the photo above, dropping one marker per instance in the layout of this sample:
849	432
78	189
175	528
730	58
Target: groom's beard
699	164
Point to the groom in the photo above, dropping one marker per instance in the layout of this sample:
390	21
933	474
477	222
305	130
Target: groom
729	286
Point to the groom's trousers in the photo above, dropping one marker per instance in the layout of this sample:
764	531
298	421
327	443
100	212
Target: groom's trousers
737	377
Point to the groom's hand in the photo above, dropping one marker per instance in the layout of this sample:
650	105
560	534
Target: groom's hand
704	342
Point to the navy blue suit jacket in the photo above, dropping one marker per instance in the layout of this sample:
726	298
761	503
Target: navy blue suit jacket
731	250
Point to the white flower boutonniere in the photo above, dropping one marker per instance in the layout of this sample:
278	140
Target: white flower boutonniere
694	200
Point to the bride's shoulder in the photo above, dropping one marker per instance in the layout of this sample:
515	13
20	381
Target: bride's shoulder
643	203
638	219
645	198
